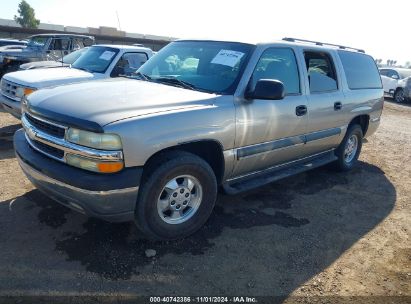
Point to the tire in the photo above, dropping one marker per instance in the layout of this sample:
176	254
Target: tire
347	161
175	169
399	96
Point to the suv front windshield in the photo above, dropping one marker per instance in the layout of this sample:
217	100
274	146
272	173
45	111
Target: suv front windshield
204	65
96	59
37	41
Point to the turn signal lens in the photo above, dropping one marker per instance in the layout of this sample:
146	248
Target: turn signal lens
110	167
93	165
28	91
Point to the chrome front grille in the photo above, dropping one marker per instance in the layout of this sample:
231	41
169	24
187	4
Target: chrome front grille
9	89
48	138
49	150
40	134
46	127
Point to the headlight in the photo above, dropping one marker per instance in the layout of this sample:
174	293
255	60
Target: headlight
93	165
100	141
21	91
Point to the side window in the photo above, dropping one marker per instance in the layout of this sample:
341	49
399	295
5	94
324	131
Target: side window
77	44
134	61
129	63
279	64
58	44
393	74
321	72
360	70
384	73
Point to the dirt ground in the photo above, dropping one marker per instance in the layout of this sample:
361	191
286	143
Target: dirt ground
315	235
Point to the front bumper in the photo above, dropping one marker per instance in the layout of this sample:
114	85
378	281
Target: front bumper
11	106
111	197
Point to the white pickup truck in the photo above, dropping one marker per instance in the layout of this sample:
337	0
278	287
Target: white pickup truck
97	62
396	83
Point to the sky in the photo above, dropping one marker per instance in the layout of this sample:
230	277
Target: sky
381	27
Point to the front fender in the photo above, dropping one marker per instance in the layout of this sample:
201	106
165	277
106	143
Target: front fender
143	136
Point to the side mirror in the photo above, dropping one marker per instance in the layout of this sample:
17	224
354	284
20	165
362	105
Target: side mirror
395	76
267	89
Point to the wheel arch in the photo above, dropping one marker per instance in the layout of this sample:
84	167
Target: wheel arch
363	120
209	150
398	89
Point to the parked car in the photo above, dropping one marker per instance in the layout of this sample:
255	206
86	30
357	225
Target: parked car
396	83
42	47
97	62
13	42
200	114
64	62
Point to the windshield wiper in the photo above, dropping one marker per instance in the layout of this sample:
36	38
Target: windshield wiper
176	81
142	76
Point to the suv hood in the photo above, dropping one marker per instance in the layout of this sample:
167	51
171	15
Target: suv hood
41	78
105	101
42	64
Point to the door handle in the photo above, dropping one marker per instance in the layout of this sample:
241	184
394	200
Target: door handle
301	110
337	105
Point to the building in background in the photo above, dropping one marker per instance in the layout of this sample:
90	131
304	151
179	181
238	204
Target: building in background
103	34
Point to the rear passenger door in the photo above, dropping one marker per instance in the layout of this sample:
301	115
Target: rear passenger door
325	102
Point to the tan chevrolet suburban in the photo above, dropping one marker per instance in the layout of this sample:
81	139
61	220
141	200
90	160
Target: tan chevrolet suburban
154	147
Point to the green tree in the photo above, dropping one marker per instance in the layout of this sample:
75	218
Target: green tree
26	18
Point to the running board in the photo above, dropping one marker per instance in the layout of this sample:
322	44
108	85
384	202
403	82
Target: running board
276	173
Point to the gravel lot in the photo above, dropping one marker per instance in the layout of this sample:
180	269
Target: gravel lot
316	234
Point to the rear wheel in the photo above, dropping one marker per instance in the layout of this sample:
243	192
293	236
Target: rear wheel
350	148
399	96
177	198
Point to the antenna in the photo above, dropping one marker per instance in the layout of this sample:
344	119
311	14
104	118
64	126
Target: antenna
118	20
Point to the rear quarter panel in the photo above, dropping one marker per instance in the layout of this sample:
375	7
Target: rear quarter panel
360	102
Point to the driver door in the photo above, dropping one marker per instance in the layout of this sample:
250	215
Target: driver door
271	132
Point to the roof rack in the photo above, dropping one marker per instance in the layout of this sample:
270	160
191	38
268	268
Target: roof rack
322	43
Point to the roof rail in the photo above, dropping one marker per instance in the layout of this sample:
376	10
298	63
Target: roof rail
322	43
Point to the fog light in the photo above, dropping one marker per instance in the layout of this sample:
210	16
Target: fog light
93	165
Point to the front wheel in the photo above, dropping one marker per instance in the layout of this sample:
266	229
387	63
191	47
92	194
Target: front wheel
177	198
350	148
399	96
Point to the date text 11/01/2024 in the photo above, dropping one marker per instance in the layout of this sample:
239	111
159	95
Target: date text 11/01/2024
238	299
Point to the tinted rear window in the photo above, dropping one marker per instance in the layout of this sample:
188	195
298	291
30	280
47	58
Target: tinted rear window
360	70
